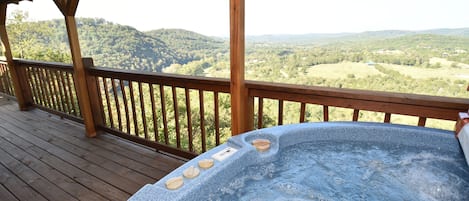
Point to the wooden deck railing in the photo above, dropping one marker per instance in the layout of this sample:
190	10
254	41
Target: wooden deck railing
52	87
183	114
388	103
169	112
6	85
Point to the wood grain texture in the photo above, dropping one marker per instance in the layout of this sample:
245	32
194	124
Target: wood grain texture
189	119
217	117
202	121
176	116
126	106
70	166
154	114
80	76
241	105
17	75
260	113
444	108
142	110
302	112
280	112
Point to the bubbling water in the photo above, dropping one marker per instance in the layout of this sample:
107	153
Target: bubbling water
337	170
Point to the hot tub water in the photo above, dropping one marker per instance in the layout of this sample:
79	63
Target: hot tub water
337	170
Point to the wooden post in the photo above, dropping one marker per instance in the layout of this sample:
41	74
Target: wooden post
68	9
93	90
242	117
18	75
79	76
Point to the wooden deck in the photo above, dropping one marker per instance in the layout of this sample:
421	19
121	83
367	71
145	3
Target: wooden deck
43	157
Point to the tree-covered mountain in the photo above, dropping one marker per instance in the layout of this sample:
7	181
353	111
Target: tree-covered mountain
189	43
119	46
110	44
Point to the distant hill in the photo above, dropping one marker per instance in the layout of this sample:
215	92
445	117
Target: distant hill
462	32
112	45
416	41
321	39
190	44
119	46
180	39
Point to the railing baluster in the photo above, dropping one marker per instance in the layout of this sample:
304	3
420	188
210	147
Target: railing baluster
52	95
387	118
325	113
53	92
356	113
44	95
302	112
33	86
202	120
422	121
143	113
5	79
11	89
2	77
189	119
217	118
126	106
134	112
59	89
116	100
176	117
108	102
40	89
71	92
280	112
153	112
45	91
63	93
163	114
260	113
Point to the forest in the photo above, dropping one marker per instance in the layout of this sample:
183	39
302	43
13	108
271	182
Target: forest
432	62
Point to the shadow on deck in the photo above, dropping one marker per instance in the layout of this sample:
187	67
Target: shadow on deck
43	157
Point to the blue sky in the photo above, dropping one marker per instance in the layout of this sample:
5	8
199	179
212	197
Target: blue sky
211	17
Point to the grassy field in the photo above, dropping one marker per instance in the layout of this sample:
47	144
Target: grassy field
359	70
342	70
446	71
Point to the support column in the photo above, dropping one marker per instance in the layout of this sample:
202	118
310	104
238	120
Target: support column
93	91
18	76
242	117
79	76
68	9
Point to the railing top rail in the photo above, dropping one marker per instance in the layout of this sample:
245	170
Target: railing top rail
257	88
223	85
191	82
45	64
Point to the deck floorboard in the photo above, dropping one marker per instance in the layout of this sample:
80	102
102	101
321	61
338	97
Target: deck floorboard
44	157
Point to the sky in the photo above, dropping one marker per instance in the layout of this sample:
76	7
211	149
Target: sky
263	17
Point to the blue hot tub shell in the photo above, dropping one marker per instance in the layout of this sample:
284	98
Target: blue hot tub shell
284	136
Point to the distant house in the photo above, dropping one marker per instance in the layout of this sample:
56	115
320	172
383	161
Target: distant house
371	63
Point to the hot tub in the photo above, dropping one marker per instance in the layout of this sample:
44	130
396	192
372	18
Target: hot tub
324	161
